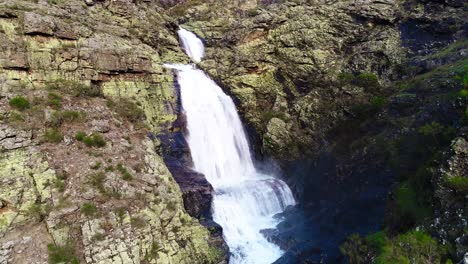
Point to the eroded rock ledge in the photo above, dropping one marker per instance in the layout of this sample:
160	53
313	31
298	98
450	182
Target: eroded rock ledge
79	169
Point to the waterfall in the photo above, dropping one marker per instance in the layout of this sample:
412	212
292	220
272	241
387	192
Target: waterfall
245	200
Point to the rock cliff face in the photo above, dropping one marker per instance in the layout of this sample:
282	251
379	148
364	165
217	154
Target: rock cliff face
363	97
83	93
352	97
285	63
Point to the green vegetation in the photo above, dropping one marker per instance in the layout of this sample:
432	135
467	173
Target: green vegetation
80	135
268	115
378	102
19	103
411	247
71	116
95	140
412	206
53	135
437	132
89	209
458	183
98	237
126	176
109	168
96	166
55	100
463	93
180	9
356	250
62	254
345	78
73	88
137	222
127	109
97	180
59	183
367	80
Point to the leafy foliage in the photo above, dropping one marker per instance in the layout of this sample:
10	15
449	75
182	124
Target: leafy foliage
89	209
62	254
19	103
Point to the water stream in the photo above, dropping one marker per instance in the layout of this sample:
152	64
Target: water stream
245	200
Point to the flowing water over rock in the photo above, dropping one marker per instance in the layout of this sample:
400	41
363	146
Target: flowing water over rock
245	200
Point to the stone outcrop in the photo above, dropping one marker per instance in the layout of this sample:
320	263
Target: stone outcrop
94	67
285	59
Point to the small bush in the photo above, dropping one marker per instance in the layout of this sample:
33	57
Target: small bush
126	176
367	80
268	115
53	135
416	246
409	203
71	116
98	140
346	78
95	140
137	222
127	109
64	254
109	168
98	237
73	88
80	135
97	180
458	183
16	117
20	103
89	209
355	249
55	100
378	102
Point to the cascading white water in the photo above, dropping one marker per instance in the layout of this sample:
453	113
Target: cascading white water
245	200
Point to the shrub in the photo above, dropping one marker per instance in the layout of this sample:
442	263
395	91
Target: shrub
89	209
53	135
411	247
73	88
463	93
55	100
127	109
137	222
98	237
410	203
98	140
355	249
378	102
20	103
71	116
345	78
268	115
458	183
367	80
126	176
97	180
95	140
80	135
64	254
